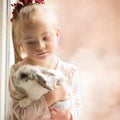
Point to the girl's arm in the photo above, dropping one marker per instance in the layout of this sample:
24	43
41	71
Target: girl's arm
59	93
59	114
38	109
74	113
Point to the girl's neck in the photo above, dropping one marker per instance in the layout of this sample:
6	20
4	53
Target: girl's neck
51	63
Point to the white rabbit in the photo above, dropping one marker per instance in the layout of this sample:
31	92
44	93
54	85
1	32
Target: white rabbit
35	81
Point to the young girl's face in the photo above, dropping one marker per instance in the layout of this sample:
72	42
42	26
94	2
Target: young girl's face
39	40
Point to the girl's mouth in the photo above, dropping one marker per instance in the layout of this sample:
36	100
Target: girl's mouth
42	53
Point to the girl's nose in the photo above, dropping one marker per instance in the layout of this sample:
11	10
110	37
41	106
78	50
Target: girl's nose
41	45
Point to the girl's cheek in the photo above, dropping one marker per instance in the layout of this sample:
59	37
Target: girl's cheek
53	46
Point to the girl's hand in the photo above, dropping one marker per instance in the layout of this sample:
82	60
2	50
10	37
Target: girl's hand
59	93
58	114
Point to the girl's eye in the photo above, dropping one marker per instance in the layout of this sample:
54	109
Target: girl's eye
46	38
31	42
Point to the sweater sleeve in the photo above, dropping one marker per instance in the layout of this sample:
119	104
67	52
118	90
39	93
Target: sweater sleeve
37	110
75	87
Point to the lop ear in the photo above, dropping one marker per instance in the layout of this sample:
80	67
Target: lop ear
44	83
48	72
41	81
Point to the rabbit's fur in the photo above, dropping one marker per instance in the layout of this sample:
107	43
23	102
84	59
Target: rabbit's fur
36	81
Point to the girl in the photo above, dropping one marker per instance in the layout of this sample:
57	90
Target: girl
35	34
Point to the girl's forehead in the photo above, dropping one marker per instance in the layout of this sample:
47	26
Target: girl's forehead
36	28
36	23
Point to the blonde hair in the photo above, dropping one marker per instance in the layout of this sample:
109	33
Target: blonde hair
29	15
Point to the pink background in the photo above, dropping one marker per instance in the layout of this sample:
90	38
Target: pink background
91	40
93	24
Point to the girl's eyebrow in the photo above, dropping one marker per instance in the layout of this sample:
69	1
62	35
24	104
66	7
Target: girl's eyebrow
27	37
45	33
30	37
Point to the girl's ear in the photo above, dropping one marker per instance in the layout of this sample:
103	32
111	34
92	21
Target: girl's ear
58	32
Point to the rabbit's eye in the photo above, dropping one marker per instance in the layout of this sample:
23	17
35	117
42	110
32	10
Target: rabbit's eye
23	75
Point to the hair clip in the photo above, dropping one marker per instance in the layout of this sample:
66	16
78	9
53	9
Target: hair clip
21	3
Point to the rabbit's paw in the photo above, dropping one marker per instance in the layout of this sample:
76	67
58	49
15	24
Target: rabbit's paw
25	102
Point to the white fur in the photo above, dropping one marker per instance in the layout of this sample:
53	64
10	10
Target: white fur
31	79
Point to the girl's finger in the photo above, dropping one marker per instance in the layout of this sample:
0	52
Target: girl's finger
52	111
57	109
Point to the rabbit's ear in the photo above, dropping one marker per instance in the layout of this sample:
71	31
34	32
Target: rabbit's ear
49	88
48	72
41	81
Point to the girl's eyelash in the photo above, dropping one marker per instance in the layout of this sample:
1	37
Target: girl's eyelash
31	42
46	38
